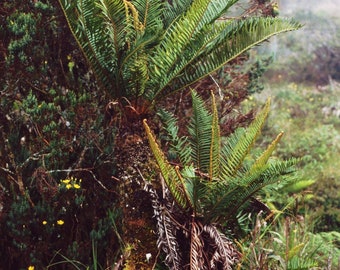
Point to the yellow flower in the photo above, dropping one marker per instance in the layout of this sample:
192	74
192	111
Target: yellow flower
31	267
71	182
76	186
60	222
44	222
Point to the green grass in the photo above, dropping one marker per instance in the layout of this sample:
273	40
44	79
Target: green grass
311	135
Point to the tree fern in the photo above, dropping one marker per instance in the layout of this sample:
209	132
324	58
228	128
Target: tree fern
143	49
214	192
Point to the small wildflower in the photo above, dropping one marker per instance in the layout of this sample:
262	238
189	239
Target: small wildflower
70	183
60	222
76	186
31	267
44	222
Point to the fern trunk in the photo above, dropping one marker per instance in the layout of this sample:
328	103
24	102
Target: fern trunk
138	226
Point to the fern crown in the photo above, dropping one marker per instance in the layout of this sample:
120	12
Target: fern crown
215	179
143	49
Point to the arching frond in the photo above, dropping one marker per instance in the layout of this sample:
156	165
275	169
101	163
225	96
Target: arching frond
239	144
168	171
218	44
148	49
176	48
263	159
215	10
231	195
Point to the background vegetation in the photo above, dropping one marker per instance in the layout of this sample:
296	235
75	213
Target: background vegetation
59	204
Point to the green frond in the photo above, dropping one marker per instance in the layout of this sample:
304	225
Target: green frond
194	188
230	195
215	146
216	9
154	48
168	172
184	183
177	48
199	130
174	10
149	12
224	41
98	33
240	143
262	160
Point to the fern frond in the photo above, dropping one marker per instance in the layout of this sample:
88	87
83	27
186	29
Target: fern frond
196	247
186	183
149	11
226	252
176	49
168	171
199	129
195	189
166	230
174	10
98	34
239	145
223	42
230	196
262	160
216	9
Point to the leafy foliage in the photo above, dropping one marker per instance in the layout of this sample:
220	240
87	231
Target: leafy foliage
213	192
312	134
55	126
287	242
52	127
145	50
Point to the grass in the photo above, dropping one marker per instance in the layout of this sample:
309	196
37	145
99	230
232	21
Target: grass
307	115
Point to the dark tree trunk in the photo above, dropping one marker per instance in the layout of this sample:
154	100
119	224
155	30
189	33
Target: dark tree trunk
133	164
